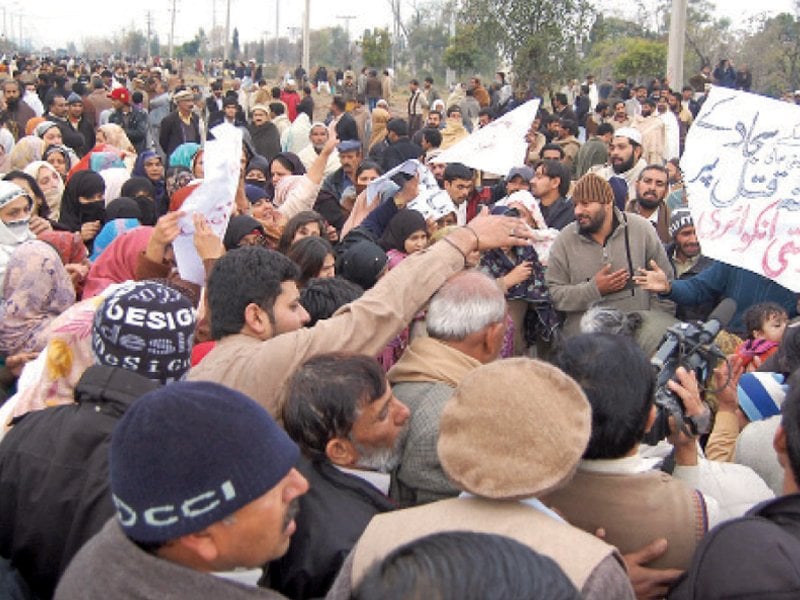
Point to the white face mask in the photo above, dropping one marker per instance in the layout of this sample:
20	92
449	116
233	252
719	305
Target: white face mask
18	228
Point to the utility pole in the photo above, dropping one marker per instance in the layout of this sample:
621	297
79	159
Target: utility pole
307	37
20	30
347	19
172	32
677	37
226	52
149	23
213	26
277	30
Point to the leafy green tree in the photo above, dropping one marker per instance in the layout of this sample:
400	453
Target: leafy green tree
540	38
376	47
773	54
641	59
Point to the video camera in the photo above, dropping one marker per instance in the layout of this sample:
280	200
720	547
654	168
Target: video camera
687	345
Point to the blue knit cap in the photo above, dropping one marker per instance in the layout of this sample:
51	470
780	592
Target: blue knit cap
189	454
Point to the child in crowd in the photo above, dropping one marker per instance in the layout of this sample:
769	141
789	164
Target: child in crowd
765	324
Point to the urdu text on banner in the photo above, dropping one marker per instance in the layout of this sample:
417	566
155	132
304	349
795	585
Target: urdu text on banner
742	170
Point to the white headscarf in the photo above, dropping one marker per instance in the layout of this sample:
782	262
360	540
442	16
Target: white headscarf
9	241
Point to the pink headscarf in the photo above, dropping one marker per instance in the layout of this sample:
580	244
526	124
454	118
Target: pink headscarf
117	263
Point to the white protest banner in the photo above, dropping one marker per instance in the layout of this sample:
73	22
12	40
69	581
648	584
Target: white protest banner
742	169
499	146
214	198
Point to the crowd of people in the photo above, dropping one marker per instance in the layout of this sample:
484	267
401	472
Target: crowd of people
399	377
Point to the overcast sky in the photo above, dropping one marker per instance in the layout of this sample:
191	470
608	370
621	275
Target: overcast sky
55	22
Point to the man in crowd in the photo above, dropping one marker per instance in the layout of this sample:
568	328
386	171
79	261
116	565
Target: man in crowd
265	136
651	190
400	148
350	428
181	125
687	261
764	543
132	119
214	104
486	420
625	158
595	151
417	104
466	323
550	185
256	317
231	113
54	463
620	117
57	113
552	151
568	140
317	136
334	185
18	111
454	130
346	128
203	481
458	182
613	481
594	259
653	133
80	123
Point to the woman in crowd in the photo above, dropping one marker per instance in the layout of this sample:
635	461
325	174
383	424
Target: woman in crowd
142	191
15	213
40	213
406	234
314	255
118	262
50	183
150	166
83	206
37	288
302	225
123	214
262	209
25	151
60	158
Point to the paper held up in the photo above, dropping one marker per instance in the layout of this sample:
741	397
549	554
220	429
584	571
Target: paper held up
214	198
741	168
497	147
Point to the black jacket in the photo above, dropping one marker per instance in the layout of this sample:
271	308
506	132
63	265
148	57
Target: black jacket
333	515
172	134
398	152
54	475
346	128
693	312
559	214
755	556
135	125
71	138
266	139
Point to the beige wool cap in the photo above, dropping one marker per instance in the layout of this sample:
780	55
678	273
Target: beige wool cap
514	429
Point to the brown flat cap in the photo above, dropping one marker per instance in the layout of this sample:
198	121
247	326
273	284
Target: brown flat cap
513	429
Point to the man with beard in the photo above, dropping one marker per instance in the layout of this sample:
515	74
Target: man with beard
593	259
625	158
203	481
620	118
350	428
328	202
57	113
317	137
653	131
466	323
18	112
78	121
651	189
687	261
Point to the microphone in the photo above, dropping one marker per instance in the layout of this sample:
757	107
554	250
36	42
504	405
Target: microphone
718	319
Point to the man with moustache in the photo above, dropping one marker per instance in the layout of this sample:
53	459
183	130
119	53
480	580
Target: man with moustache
625	158
593	260
203	481
18	111
651	189
351	429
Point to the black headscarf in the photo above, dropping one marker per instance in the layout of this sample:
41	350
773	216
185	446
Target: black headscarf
238	227
362	263
82	184
290	158
123	208
402	225
143	192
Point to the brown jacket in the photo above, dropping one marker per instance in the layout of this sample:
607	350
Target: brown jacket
577	553
260	369
635	509
662	219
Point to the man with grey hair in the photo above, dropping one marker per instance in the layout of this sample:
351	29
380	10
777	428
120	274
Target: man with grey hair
317	136
466	323
350	428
